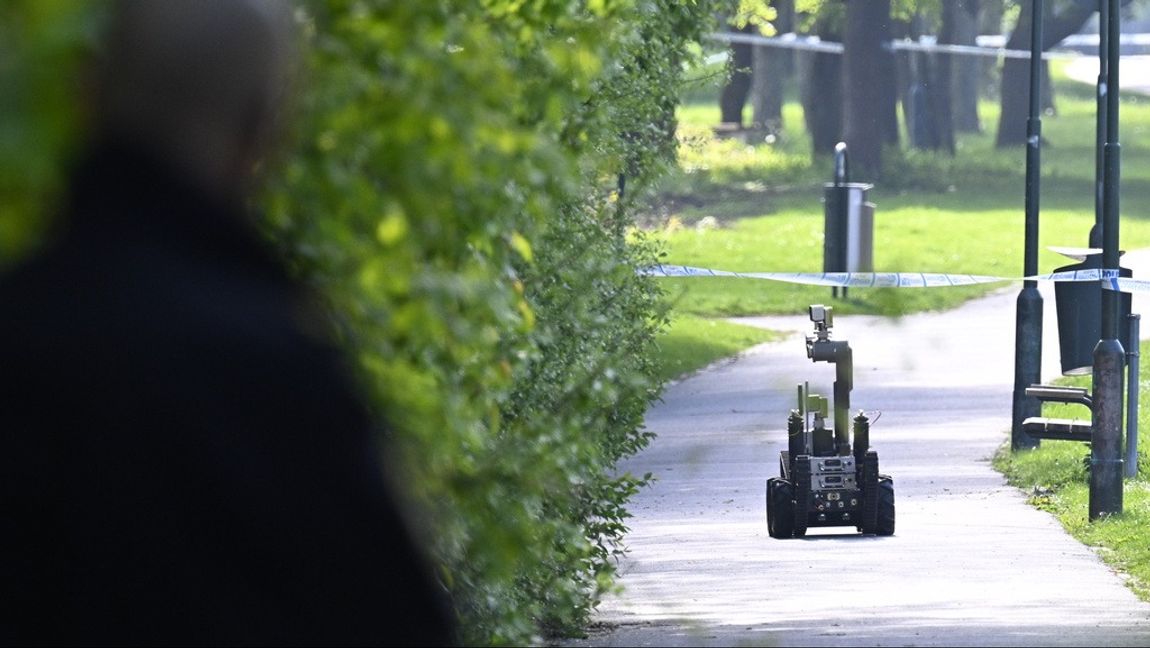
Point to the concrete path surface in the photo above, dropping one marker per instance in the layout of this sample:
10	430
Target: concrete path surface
1133	72
971	563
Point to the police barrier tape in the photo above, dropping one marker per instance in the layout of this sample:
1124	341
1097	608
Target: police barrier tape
1109	278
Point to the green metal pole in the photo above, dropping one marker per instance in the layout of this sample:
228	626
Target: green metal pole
1106	422
1028	320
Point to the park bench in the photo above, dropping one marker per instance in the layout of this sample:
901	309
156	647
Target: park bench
1041	427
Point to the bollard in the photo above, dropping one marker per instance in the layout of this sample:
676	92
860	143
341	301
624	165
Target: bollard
1132	353
1106	431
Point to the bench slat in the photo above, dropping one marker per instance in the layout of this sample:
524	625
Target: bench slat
1060	394
1041	427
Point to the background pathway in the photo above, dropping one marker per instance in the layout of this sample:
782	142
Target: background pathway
970	564
1133	72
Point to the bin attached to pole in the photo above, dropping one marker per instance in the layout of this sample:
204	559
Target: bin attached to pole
1079	306
848	230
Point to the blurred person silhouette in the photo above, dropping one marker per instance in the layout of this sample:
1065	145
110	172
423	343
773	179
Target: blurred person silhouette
183	457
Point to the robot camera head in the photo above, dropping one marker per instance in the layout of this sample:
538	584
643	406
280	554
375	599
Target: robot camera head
822	316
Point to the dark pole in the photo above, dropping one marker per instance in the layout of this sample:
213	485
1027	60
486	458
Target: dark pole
1028	322
1106	423
1100	124
1132	352
837	216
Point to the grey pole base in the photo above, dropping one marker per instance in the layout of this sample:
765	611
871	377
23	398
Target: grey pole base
1027	364
1106	423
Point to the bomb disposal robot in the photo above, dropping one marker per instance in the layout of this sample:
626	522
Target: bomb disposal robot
825	481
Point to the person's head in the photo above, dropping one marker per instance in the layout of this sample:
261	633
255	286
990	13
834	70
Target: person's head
198	82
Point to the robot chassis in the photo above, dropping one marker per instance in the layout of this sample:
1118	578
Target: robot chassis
824	480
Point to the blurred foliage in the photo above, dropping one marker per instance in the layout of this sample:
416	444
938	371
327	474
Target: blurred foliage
757	13
832	13
42	45
455	191
453	187
467	157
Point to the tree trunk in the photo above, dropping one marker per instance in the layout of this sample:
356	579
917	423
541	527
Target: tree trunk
942	103
1047	103
1016	72
927	100
990	21
921	102
766	90
865	62
734	95
904	75
771	69
822	101
1014	96
887	71
822	95
964	69
942	80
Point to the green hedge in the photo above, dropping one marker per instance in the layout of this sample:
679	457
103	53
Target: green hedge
464	156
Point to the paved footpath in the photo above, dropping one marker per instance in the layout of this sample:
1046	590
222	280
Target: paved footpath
971	563
1133	72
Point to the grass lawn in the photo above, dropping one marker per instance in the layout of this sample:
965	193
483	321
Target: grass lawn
691	343
735	206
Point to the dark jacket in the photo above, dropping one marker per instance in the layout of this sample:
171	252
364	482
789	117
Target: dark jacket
183	457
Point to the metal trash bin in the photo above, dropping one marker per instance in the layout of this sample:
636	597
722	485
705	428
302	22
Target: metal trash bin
848	226
1079	307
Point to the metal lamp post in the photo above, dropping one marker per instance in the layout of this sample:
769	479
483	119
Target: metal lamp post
1028	321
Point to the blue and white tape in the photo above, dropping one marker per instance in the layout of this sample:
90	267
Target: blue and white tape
1126	284
1108	277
